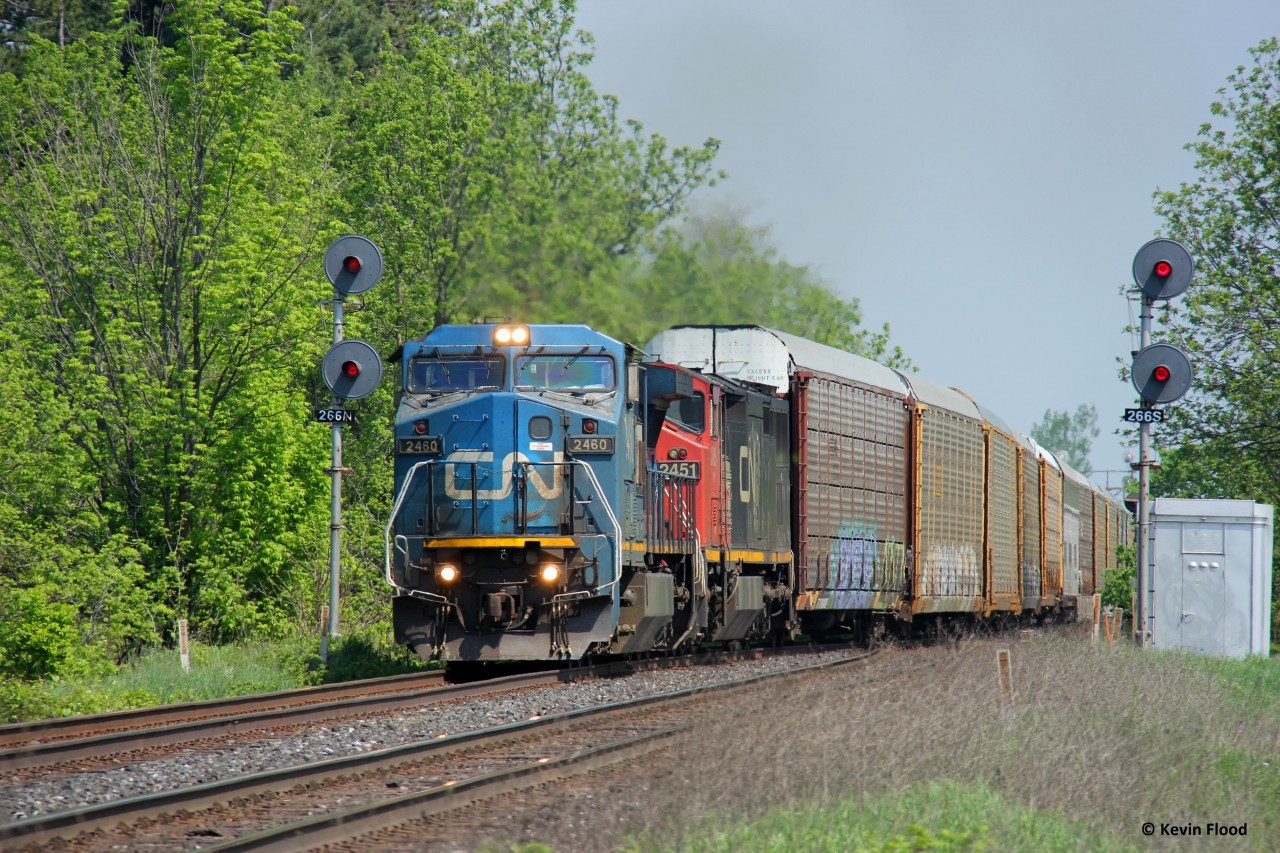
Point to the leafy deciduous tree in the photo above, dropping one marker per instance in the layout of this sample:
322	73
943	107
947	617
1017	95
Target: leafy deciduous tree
159	211
1229	217
1069	435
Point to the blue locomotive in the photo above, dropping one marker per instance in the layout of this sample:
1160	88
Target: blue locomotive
528	521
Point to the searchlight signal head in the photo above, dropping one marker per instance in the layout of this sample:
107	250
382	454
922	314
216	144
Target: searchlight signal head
1161	373
353	264
352	369
1162	269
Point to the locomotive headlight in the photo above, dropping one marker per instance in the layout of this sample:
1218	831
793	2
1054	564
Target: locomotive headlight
505	336
550	573
447	573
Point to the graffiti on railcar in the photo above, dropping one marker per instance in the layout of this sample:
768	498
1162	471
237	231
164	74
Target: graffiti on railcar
950	570
864	562
855	556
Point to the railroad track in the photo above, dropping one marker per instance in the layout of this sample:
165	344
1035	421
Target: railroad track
16	735
274	810
149	731
135	734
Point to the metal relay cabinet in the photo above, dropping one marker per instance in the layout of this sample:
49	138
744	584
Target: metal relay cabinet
1211	575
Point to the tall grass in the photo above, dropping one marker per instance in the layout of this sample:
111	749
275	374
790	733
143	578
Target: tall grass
157	676
916	752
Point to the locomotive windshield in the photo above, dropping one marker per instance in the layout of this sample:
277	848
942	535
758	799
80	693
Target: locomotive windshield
456	373
689	412
573	372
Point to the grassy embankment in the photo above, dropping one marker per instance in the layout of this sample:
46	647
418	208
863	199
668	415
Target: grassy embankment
157	677
1097	743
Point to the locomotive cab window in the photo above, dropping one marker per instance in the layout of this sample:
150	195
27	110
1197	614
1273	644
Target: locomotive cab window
456	373
689	413
571	372
540	428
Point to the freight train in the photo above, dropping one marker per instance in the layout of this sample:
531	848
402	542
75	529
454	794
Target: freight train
560	494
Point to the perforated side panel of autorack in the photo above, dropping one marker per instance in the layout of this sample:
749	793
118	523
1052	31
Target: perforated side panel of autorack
949	512
852	509
1114	533
1051	534
1086	542
1030	528
1101	533
1002	521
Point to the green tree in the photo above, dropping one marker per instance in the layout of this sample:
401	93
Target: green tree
718	269
1069	435
58	21
1118	583
158	209
1225	432
484	162
339	41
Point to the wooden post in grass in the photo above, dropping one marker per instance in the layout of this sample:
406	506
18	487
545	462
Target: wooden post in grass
184	647
1005	672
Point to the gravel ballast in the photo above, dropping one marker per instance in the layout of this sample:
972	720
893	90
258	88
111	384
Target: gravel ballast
238	756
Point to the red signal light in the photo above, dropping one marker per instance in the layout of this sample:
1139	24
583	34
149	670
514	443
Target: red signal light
1161	373
682	454
588	426
1164	269
350	368
351	264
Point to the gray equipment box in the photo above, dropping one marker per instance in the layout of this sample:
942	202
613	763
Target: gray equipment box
1211	575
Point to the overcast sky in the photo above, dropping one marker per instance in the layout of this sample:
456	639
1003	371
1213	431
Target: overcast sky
978	174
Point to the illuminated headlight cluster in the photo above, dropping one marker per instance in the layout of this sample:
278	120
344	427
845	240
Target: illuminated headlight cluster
505	336
550	573
446	573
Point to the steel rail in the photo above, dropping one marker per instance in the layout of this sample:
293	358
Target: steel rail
337	827
112	743
45	828
186	722
16	734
